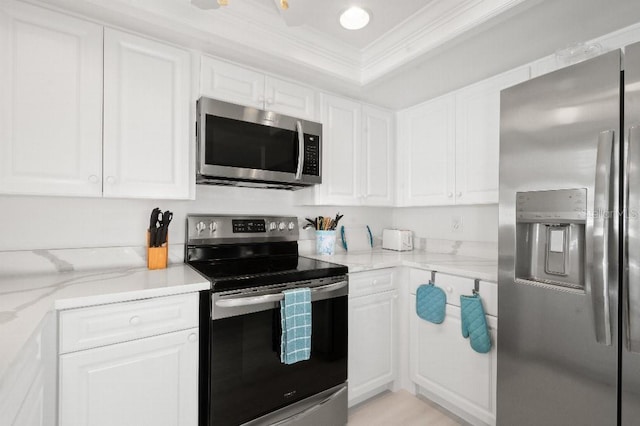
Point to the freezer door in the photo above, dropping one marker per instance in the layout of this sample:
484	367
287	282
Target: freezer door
630	394
557	357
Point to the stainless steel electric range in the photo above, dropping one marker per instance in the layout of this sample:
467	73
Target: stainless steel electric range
250	260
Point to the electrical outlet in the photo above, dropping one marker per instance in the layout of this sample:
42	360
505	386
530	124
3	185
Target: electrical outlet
456	223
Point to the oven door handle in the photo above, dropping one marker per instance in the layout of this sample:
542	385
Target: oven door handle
267	298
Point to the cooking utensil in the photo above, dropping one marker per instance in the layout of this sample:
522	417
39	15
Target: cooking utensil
322	223
163	230
153	227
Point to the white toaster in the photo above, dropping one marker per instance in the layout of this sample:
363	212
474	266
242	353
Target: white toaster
397	239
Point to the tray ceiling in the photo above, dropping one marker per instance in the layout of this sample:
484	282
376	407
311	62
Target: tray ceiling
413	49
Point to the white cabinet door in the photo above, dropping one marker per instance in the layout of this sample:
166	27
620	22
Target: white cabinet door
378	157
341	120
357	155
478	138
426	139
147	107
231	83
28	395
50	103
443	363
146	382
289	98
371	343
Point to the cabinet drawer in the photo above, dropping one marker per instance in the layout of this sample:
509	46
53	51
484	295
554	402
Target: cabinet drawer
455	287
95	326
361	283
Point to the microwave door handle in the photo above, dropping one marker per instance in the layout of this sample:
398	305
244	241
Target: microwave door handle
300	150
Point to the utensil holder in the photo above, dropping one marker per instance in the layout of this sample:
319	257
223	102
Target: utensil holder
157	256
325	242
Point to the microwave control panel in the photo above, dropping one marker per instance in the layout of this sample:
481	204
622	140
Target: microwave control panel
311	155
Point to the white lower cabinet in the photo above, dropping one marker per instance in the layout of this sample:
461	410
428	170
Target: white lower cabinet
149	380
28	387
372	334
442	363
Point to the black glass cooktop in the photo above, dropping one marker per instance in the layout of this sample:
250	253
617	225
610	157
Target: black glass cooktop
254	265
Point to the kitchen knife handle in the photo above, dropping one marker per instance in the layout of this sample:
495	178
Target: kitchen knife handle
631	278
300	150
603	210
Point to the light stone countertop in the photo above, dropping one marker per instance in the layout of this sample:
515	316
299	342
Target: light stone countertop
26	299
464	266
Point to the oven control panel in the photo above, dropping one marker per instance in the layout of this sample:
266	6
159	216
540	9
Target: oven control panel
248	226
212	229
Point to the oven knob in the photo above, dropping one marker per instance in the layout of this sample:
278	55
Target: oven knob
272	226
212	227
291	226
200	226
282	226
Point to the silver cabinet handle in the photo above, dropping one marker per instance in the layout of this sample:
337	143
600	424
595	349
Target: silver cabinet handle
300	150
276	297
631	302
600	238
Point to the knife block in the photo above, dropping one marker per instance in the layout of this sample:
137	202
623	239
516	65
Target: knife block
157	256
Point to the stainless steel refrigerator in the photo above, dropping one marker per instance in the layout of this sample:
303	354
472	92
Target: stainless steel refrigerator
569	246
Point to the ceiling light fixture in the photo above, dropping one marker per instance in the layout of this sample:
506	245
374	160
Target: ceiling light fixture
354	18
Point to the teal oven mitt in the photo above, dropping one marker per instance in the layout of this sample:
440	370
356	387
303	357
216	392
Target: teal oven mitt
474	323
431	303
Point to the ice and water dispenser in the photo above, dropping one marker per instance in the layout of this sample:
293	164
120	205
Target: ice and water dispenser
550	237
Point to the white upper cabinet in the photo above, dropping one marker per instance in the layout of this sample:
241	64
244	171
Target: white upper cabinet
378	156
449	146
50	103
66	130
426	144
341	130
233	83
478	138
357	155
147	101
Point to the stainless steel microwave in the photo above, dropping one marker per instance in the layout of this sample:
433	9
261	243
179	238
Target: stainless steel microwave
244	146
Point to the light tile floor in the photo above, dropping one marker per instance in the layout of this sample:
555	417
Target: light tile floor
400	408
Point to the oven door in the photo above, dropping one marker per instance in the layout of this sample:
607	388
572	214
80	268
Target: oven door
247	379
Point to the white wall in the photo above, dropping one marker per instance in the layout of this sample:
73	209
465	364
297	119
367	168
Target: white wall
28	223
479	223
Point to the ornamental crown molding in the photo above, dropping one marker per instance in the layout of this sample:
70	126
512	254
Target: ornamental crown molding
254	29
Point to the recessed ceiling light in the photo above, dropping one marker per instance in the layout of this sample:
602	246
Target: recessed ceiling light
354	18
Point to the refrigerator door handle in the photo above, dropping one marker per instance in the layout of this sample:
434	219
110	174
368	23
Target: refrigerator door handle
631	301
602	212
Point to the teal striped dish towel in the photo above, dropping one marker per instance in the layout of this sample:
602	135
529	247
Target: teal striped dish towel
295	315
